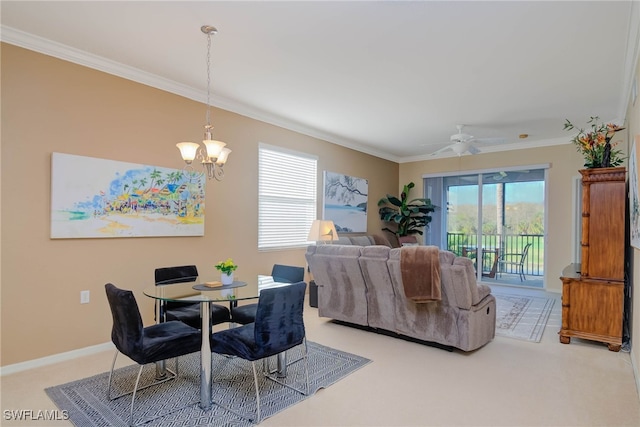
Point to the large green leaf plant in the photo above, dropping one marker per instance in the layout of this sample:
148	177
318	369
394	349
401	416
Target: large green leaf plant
409	216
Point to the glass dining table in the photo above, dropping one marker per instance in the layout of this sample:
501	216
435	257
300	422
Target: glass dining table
206	295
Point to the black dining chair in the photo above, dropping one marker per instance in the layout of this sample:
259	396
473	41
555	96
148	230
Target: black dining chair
187	312
281	273
278	327
145	345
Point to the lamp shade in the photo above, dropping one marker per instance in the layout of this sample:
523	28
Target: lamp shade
322	230
188	150
213	148
224	155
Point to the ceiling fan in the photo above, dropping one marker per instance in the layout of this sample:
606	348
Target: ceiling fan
463	142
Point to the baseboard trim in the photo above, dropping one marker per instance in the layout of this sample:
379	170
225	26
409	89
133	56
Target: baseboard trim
50	360
636	373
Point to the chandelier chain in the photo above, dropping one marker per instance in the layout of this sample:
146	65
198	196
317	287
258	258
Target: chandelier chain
208	117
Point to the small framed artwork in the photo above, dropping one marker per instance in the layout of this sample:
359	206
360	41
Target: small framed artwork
97	198
345	202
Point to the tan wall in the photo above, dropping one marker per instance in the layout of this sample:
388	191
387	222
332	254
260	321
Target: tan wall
49	105
565	163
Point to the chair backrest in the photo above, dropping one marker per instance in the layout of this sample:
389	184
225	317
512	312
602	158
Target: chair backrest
279	325
525	251
287	273
178	274
127	330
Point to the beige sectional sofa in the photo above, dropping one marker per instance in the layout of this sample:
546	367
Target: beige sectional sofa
362	285
366	240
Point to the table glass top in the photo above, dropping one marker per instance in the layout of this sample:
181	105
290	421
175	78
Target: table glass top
239	290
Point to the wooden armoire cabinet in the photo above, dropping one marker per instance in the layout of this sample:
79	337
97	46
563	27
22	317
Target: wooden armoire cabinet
593	291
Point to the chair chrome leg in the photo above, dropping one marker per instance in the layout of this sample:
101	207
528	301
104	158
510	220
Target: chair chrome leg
172	375
133	397
113	364
306	365
255	380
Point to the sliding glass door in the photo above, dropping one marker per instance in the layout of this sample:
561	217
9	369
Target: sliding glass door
496	218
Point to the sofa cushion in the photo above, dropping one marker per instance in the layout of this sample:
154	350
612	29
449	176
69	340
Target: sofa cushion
362	240
447	258
343	240
380	295
341	287
471	281
455	290
483	291
379	239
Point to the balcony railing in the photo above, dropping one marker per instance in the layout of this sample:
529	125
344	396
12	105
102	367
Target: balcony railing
501	244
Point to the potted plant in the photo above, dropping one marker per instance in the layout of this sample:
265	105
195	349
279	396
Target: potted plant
226	269
410	216
595	145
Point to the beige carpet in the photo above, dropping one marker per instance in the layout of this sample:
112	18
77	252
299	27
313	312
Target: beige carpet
522	317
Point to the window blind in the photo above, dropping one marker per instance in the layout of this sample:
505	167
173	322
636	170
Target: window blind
286	197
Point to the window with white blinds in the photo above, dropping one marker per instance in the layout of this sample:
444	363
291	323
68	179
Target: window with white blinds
286	197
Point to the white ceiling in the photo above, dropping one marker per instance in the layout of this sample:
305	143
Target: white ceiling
388	78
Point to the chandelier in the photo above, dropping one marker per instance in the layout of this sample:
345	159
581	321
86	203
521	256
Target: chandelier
215	154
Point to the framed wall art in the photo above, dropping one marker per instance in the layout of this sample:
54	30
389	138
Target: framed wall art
97	198
345	202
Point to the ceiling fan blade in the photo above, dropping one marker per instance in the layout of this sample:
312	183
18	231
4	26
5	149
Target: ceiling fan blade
442	150
472	149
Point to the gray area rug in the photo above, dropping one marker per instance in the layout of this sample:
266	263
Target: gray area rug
522	317
175	403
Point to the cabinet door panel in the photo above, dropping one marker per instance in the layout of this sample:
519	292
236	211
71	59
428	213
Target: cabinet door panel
606	230
596	308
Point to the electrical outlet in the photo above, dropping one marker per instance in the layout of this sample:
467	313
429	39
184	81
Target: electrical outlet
84	297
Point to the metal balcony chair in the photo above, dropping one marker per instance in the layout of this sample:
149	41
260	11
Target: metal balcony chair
280	273
145	345
187	312
278	327
516	260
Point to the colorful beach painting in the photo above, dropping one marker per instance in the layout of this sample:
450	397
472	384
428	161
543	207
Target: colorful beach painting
345	202
98	198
